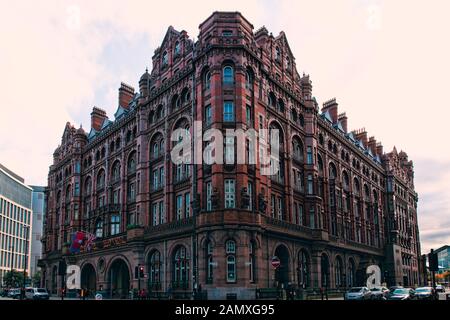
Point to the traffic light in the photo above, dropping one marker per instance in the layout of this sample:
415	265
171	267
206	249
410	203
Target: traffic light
141	271
433	261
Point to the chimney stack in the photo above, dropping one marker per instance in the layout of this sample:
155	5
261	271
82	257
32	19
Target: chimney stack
126	94
373	145
332	107
379	149
98	116
342	118
361	134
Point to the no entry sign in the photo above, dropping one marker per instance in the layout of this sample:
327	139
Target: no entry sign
275	262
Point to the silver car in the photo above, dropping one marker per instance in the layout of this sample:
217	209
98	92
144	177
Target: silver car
36	294
358	293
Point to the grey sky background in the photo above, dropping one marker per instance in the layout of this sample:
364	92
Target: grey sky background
386	62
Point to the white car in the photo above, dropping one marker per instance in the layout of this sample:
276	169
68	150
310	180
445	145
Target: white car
36	294
358	293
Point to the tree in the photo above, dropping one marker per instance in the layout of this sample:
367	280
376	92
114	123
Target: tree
36	280
13	279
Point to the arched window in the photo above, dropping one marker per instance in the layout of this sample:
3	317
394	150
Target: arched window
154	268
99	228
303	269
207	80
101	179
117	143
332	171
249	80
301	121
281	105
288	64
180	264
345	181
131	165
88	186
356	186
338	272
115	173
351	273
165	59
177	50
294	115
325	271
320	164
228	75
297	148
160	112
209	263
366	193
230	247
278	54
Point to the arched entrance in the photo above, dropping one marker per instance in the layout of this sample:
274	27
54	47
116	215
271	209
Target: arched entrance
325	271
89	279
282	272
119	279
54	287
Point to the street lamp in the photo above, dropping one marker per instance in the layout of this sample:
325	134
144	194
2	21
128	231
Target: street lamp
27	228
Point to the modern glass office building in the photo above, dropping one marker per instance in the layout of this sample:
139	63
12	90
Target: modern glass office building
15	222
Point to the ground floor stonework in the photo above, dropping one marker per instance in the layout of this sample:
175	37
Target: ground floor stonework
228	262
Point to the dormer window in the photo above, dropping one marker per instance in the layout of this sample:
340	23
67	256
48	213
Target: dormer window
227	33
277	54
177	49
165	59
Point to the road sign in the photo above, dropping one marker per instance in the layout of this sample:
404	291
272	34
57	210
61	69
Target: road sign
275	262
98	296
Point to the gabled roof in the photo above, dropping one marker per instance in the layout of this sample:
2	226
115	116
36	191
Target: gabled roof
92	133
106	124
170	32
339	127
282	36
351	136
120	112
327	116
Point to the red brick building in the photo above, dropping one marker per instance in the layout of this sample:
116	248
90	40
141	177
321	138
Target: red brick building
338	204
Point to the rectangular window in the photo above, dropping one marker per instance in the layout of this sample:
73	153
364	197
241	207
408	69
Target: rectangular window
280	208
208	196
312	222
162	213
310	185
309	156
208	115
116	195
161	177
76	190
229	150
301	218
179	207
248	116
155	214
115	225
250	195
187	205
228	111
179	172
227	33
155	179
229	193
272	205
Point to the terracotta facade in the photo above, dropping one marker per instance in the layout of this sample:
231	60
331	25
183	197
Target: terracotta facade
338	205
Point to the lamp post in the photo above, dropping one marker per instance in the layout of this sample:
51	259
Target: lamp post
27	228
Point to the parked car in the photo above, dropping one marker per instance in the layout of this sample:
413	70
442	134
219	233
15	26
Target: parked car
358	293
14	293
426	293
402	294
440	288
392	289
36	294
4	292
379	293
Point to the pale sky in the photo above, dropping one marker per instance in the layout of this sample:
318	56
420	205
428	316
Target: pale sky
386	62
